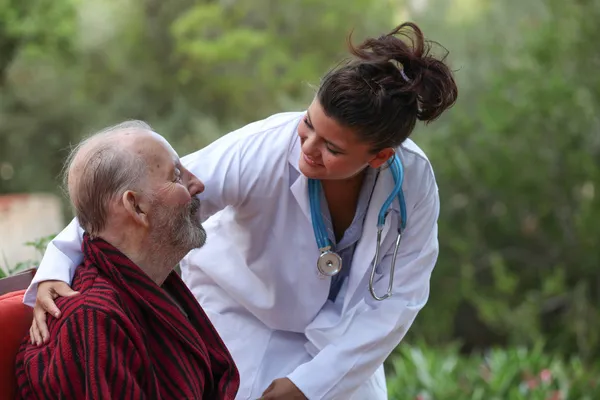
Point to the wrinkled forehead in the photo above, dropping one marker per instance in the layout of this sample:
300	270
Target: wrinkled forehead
157	152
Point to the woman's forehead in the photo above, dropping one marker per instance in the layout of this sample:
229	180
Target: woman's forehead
329	128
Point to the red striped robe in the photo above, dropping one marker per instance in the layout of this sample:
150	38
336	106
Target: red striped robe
124	338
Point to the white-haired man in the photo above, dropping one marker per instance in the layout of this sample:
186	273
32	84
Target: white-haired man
132	328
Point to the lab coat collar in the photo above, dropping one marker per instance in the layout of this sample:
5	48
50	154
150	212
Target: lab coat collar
295	148
299	185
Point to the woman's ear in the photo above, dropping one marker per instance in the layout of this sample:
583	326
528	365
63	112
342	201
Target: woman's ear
381	157
137	207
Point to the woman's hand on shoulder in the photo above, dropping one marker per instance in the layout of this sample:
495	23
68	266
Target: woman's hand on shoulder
47	292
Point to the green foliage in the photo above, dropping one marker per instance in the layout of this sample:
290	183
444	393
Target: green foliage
39	245
516	160
422	373
264	52
35	26
517	167
194	70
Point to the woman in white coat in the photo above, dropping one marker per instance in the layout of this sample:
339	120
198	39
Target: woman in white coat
294	331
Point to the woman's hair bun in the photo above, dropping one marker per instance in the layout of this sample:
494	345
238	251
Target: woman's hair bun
417	71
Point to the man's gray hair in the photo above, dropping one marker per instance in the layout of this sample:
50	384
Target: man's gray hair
107	171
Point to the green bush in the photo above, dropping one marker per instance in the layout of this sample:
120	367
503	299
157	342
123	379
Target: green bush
516	160
38	244
422	373
517	166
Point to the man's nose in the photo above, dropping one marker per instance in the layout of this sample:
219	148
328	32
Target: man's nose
195	185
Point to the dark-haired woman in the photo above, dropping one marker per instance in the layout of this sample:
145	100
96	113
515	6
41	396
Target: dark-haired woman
303	211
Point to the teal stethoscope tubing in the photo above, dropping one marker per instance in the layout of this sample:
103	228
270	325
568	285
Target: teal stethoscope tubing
324	244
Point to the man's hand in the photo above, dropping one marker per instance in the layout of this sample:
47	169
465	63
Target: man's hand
47	292
283	389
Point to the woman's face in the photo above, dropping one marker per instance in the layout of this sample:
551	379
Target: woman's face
331	151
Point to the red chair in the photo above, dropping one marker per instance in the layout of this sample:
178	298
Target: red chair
15	320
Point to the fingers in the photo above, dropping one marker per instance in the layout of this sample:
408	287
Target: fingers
39	325
47	305
47	292
50	290
61	289
34	334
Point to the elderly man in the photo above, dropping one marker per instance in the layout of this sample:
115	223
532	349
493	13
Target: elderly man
133	329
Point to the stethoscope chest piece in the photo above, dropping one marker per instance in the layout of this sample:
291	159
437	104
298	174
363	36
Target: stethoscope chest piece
329	263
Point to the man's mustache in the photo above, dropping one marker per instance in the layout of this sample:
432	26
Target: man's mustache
194	205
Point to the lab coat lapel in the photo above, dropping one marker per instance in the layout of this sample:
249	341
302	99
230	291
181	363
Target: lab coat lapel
299	187
364	255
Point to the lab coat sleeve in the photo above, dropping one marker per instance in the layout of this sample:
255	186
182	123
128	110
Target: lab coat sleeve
218	167
230	169
63	255
377	327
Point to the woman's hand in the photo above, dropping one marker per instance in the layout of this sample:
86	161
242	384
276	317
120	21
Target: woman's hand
47	292
283	389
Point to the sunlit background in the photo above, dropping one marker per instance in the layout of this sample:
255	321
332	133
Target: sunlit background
513	312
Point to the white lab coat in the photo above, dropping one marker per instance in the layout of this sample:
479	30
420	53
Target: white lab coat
257	280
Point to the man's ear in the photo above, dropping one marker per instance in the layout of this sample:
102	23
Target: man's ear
136	206
381	157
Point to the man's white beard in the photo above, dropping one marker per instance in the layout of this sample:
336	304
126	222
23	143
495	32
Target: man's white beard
177	230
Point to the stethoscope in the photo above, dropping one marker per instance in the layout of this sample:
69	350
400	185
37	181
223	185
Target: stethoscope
329	262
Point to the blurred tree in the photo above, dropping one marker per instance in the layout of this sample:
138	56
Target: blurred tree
34	26
517	166
517	159
192	69
265	52
35	37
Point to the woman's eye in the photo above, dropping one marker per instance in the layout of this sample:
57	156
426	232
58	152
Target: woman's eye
307	122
